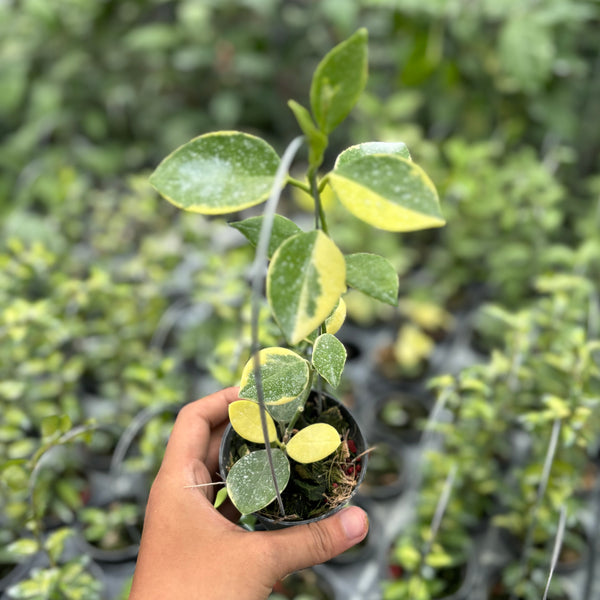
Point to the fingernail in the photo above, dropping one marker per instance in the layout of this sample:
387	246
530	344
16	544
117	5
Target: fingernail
354	522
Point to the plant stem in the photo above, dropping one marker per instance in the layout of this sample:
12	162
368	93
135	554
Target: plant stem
258	275
320	221
290	425
299	184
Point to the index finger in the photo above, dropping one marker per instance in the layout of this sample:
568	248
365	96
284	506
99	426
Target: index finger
191	433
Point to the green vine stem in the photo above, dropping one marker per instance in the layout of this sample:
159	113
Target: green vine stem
258	276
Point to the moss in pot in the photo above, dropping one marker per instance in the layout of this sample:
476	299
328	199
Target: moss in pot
284	435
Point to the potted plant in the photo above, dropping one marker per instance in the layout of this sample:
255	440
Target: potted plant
294	453
423	568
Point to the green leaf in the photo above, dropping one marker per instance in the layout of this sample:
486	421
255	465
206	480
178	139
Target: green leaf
373	275
284	413
329	358
285	379
313	443
244	416
50	426
23	547
338	81
317	140
388	192
368	148
305	280
217	173
249	482
55	543
221	497
282	229
14	475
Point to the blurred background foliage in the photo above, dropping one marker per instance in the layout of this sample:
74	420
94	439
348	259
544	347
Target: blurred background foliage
113	303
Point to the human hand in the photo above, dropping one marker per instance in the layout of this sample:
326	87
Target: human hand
190	550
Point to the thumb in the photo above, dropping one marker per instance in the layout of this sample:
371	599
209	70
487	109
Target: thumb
307	545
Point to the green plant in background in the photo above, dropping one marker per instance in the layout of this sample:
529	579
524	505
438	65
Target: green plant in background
429	559
61	575
378	183
522	430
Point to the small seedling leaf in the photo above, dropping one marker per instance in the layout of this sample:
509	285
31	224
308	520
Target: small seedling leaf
329	358
317	140
217	173
305	281
244	416
282	229
220	497
249	483
373	275
285	378
313	443
360	150
388	192
338	81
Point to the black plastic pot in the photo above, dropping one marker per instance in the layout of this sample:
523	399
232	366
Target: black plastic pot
231	438
385	479
401	415
304	584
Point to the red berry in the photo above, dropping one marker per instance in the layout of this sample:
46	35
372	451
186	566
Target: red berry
396	571
352	446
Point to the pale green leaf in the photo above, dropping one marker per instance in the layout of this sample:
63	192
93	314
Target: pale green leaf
373	275
217	173
250	484
282	229
329	358
360	150
317	140
23	547
388	192
50	426
55	543
313	443
305	281
284	413
220	497
338	81
14	475
285	379
244	416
